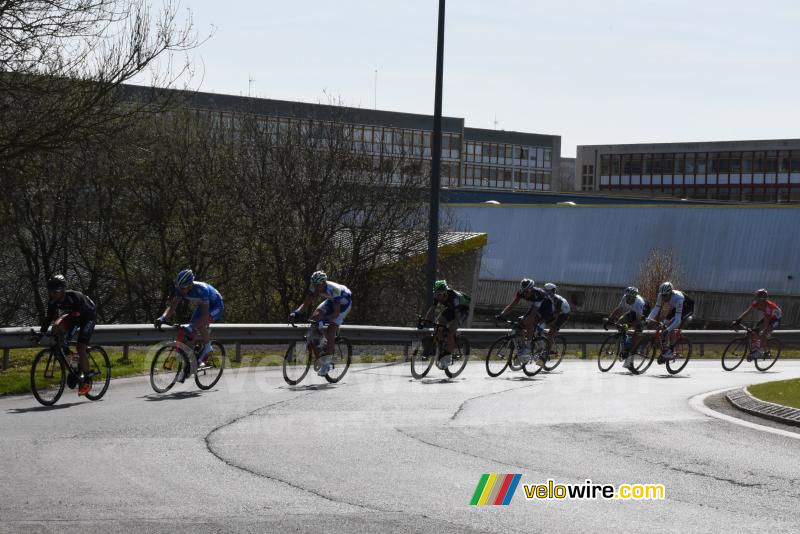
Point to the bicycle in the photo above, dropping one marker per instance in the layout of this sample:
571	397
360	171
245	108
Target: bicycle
432	346
501	353
174	358
682	350
57	366
296	363
742	347
616	347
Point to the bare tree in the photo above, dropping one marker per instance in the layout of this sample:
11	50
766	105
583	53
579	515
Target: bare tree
659	266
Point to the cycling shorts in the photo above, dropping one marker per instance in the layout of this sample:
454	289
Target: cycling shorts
214	312
327	312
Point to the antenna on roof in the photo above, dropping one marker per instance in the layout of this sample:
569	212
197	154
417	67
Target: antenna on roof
250	81
495	121
376	89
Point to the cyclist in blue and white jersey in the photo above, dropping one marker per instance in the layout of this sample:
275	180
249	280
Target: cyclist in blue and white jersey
541	308
209	308
631	310
560	312
329	315
681	312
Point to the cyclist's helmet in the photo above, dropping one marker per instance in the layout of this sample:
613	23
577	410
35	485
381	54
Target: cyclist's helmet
57	283
440	286
665	288
631	291
526	283
185	278
550	289
762	294
318	276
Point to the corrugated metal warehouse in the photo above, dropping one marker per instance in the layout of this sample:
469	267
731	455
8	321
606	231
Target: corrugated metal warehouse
730	250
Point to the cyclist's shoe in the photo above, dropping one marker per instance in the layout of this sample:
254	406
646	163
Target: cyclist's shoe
668	355
181	376
71	382
540	360
204	354
85	388
755	354
325	365
444	361
628	363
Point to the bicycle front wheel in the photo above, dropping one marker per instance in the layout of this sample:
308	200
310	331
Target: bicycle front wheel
296	363
557	351
609	353
421	361
499	355
539	348
208	374
168	362
342	356
458	360
100	365
48	376
643	356
682	352
735	353
770	356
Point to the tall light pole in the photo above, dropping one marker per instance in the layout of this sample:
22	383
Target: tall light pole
433	228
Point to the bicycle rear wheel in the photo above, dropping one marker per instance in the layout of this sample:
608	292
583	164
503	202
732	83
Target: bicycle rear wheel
557	351
500	354
770	356
48	376
208	374
735	353
100	365
458	360
169	360
609	353
342	356
296	363
539	347
682	352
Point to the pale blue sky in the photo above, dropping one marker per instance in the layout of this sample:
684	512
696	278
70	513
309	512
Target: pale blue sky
594	72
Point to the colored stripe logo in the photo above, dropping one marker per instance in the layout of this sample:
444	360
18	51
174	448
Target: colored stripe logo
495	489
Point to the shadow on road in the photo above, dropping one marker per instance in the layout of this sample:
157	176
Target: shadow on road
43	408
310	387
174	396
669	376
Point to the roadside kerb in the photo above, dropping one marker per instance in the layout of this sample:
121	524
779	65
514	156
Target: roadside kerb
744	401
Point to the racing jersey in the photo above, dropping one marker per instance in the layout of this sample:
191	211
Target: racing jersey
202	292
682	305
335	293
638	306
768	308
455	300
74	303
539	300
560	304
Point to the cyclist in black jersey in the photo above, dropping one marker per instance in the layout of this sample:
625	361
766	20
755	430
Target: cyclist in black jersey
541	308
67	309
456	309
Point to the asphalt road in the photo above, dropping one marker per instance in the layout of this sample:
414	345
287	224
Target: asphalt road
383	452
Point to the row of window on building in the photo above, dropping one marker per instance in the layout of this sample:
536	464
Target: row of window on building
505	178
699	163
504	154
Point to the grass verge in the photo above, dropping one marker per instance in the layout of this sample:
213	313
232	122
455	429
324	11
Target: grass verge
786	392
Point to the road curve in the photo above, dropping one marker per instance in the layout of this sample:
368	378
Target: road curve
383	452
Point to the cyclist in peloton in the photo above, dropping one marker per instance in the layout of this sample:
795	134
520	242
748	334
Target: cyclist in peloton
68	309
329	315
209	308
560	311
456	309
770	320
681	313
631	311
541	308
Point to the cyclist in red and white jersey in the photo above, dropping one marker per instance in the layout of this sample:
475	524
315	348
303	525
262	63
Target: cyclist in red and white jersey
770	319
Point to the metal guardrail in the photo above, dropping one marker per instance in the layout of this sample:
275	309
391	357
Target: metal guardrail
126	335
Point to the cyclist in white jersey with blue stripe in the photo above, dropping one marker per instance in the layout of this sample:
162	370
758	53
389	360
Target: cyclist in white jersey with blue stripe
329	315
